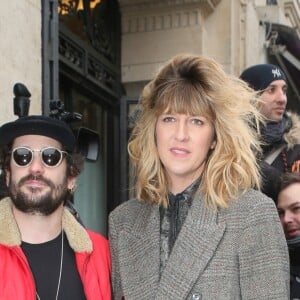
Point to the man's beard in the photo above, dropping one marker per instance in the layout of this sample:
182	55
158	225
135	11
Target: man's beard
38	202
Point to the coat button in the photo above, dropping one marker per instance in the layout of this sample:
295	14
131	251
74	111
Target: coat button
196	296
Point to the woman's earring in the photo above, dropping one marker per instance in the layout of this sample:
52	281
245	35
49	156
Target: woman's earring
213	145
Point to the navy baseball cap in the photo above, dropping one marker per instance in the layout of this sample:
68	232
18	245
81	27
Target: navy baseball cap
260	76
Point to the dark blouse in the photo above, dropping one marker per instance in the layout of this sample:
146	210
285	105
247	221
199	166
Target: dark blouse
172	219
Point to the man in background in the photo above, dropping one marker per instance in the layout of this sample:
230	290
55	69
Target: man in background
281	133
288	205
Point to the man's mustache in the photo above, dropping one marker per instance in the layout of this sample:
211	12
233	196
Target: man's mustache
36	177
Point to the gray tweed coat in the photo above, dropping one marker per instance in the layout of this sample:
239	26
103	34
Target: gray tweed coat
230	254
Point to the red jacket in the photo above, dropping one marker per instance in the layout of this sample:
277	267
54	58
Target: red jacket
91	253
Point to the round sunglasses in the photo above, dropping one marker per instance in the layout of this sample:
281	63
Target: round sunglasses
50	156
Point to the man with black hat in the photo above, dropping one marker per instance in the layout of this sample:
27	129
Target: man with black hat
281	134
45	252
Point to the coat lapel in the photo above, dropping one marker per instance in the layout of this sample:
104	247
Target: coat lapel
140	255
195	245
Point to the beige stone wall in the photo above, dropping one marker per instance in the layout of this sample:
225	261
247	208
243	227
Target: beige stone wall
253	38
150	37
153	32
228	30
20	48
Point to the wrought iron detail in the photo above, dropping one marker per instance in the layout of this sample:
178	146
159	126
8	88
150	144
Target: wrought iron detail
94	21
71	52
96	70
88	63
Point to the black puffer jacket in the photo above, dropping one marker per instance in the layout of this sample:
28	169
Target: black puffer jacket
294	253
288	160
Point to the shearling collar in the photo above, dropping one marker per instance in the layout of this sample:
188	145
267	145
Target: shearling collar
292	137
10	236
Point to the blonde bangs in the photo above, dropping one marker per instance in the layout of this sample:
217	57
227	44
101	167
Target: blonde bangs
183	97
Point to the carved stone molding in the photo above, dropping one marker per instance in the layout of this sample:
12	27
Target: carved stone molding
292	13
130	5
153	15
163	21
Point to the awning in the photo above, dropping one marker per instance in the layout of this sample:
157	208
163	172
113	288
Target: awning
283	44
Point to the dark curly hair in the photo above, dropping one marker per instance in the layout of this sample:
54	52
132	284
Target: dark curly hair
286	179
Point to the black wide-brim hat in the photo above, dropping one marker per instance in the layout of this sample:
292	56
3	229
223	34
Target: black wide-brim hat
38	125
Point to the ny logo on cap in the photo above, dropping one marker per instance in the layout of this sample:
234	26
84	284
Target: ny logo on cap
276	72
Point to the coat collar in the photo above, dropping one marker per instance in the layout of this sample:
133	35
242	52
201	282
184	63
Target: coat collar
292	137
10	235
140	249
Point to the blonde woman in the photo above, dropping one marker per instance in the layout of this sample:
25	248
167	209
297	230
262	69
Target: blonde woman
197	228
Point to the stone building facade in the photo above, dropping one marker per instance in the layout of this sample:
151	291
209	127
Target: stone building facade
104	88
234	32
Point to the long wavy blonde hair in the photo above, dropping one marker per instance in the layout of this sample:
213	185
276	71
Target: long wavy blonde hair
197	85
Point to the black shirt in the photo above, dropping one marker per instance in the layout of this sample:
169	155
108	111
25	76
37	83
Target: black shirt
44	260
